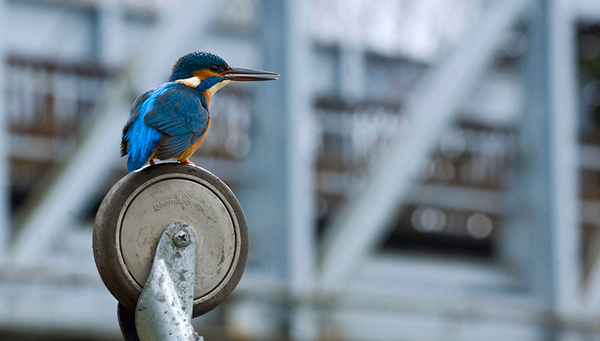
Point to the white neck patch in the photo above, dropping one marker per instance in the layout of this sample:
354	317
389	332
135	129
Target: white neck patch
218	86
191	82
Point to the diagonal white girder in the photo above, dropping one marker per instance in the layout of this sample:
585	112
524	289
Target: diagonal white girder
364	219
98	154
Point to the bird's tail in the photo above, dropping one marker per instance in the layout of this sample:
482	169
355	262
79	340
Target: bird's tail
134	164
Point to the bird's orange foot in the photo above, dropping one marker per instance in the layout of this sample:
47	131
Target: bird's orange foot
188	162
152	163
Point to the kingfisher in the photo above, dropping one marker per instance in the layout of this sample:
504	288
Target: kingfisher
171	121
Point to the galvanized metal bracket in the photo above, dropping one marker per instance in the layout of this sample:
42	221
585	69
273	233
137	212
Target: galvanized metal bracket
164	308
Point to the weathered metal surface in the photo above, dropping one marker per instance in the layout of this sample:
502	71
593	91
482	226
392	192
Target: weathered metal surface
164	309
164	200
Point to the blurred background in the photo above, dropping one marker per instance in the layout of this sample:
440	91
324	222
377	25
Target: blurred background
423	170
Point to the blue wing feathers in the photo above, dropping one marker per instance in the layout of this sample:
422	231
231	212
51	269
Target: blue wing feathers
171	146
168	119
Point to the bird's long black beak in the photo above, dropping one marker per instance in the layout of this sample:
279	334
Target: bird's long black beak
239	74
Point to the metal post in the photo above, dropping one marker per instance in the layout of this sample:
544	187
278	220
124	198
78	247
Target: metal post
563	146
531	216
301	134
279	173
5	223
164	309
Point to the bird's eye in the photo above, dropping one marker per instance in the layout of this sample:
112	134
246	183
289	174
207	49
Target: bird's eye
213	68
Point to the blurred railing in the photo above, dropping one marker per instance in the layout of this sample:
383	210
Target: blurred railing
589	86
46	98
459	206
453	209
49	103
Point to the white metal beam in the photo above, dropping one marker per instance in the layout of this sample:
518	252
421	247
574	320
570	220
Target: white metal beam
587	10
351	71
364	219
301	135
110	47
301	132
460	197
5	221
82	175
564	151
46	308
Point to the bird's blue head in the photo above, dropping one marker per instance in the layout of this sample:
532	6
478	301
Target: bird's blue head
194	63
208	72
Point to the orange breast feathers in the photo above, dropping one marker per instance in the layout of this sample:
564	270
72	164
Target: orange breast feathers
186	154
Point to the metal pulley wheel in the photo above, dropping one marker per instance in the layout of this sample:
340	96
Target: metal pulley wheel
134	214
